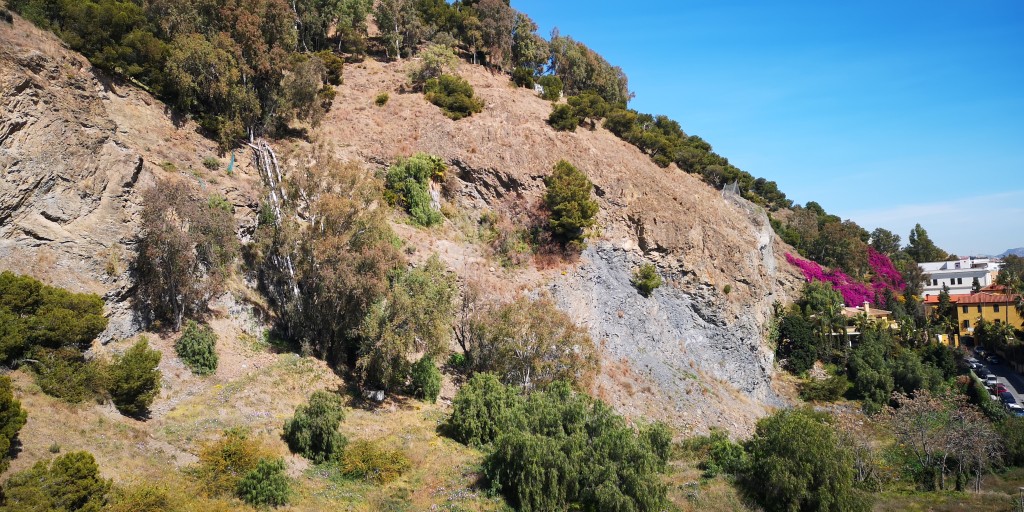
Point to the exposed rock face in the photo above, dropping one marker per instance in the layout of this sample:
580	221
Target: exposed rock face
75	151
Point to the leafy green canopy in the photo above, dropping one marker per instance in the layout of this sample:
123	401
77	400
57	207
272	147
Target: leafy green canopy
225	62
36	315
197	348
12	418
454	95
568	199
426	379
646	279
266	485
797	462
560	450
134	380
69	483
408	185
313	431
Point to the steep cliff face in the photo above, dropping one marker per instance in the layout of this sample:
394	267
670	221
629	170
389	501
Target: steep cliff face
691	354
76	149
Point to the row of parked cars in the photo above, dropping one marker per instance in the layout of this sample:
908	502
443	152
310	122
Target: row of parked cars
998	389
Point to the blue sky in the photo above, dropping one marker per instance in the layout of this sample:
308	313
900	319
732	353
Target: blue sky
887	113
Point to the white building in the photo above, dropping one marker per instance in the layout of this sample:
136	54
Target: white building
958	275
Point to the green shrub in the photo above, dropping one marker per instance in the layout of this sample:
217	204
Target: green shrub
483	409
224	462
33	314
371	462
454	95
523	77
68	483
12	418
133	379
408	185
334	64
721	455
313	431
220	202
197	348
572	452
568	199
211	163
457	361
67	375
563	119
266	485
646	279
426	379
825	390
381	99
727	289
797	462
552	87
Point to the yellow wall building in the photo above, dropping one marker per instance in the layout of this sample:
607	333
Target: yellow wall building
993	307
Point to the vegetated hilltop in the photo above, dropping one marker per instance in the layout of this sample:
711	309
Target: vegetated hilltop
678	355
78	148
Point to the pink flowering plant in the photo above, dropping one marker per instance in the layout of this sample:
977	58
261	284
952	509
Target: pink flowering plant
884	276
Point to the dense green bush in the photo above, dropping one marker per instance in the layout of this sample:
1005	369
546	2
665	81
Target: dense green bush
646	279
552	87
568	199
12	418
313	431
560	450
372	462
66	374
133	380
563	118
36	315
454	95
797	462
426	379
266	485
724	456
381	99
197	348
523	77
483	409
797	346
408	186
69	483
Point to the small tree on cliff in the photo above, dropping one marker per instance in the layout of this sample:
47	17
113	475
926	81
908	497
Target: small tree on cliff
568	199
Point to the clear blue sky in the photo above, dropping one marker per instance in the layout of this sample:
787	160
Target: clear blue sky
887	113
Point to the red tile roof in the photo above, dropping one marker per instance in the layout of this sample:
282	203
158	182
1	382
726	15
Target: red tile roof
954	298
988	298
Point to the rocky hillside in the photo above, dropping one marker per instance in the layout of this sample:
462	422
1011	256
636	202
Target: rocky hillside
76	149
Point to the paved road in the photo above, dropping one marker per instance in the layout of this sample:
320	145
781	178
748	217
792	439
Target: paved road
1005	375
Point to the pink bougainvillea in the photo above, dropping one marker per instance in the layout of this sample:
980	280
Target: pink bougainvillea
884	276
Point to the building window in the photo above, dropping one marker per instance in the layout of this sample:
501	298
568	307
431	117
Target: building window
967	323
979	308
935	282
959	280
997	321
996	308
965	310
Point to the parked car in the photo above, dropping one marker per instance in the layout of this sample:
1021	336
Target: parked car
971	360
1000	389
1007	397
982	372
980	352
1015	409
991	380
992	359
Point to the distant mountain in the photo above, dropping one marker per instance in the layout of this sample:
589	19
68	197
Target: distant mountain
1016	252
